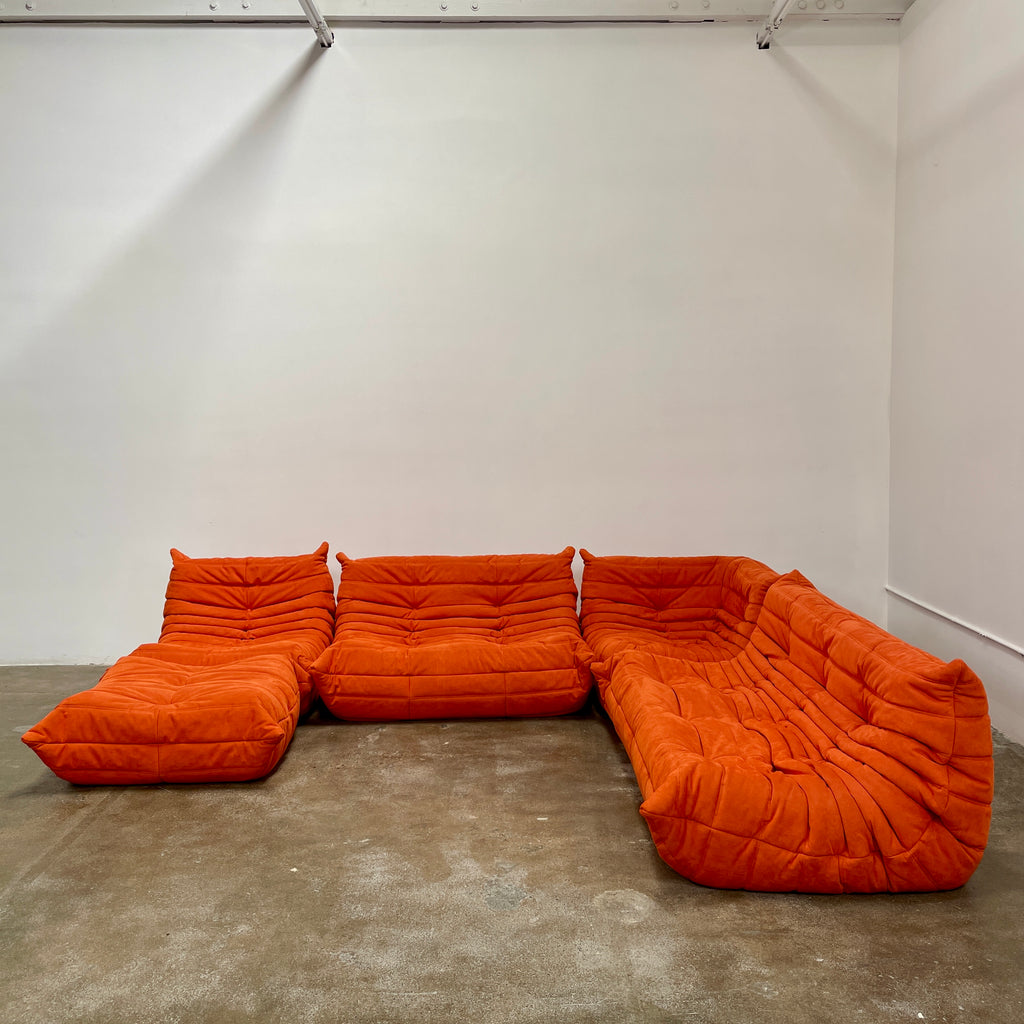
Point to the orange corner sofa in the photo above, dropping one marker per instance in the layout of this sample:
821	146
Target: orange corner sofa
218	697
781	742
447	636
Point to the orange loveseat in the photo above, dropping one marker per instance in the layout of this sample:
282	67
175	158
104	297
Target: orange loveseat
218	697
780	741
455	636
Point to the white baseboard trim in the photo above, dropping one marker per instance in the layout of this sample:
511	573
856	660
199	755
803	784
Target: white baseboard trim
963	624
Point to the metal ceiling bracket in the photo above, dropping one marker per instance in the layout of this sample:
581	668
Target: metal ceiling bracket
780	8
316	19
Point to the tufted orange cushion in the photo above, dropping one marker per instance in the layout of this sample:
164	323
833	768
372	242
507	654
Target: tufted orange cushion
688	607
282	605
172	717
447	636
828	756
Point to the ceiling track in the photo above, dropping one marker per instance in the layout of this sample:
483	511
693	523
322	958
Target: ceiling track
768	13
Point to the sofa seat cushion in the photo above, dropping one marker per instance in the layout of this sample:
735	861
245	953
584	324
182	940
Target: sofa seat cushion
300	648
828	756
159	717
697	608
542	673
455	636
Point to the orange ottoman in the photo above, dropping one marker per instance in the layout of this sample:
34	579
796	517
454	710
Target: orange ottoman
827	756
446	636
152	720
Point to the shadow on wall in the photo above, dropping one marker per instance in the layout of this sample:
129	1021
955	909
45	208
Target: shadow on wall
102	441
1000	98
839	121
123	360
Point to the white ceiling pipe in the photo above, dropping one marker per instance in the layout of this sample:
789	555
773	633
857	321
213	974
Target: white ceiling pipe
316	19
780	8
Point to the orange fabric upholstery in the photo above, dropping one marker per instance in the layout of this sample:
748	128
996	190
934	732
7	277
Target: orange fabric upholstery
448	636
282	605
694	608
218	697
827	756
152	719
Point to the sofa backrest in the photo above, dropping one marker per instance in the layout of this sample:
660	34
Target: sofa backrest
855	688
226	599
684	599
437	594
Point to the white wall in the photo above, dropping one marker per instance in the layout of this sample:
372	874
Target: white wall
437	290
958	359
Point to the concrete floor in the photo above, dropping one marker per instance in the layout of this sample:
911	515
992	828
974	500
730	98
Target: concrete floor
452	871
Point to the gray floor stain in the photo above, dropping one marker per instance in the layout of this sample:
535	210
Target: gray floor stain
501	894
628	905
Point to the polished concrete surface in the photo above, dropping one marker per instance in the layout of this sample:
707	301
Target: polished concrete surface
449	871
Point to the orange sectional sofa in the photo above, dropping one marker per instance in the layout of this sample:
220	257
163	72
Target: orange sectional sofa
218	697
782	743
455	637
